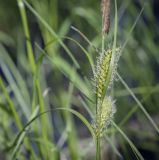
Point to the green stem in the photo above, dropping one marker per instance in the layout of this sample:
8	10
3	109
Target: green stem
27	35
33	67
98	149
103	41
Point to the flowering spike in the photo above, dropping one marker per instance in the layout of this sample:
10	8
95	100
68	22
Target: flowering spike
105	72
105	8
104	115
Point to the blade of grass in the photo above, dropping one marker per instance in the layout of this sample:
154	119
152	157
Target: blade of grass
11	105
132	28
136	152
52	32
4	55
71	130
20	140
77	114
27	34
139	103
18	120
85	38
78	44
86	107
138	90
65	69
115	149
35	73
15	89
134	109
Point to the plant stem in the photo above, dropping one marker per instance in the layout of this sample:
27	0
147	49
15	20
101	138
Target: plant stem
34	70
27	35
98	149
103	45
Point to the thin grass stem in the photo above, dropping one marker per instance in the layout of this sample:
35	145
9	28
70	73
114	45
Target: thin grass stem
98	149
27	35
139	103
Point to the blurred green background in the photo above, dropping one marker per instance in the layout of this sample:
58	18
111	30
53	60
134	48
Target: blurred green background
63	75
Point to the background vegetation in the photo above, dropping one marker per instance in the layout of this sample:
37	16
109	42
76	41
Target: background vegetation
44	67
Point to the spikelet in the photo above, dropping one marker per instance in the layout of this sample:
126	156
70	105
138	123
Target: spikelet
104	116
115	65
105	8
102	73
105	71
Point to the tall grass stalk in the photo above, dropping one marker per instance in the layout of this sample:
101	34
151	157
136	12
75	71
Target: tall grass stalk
33	66
98	148
27	35
105	70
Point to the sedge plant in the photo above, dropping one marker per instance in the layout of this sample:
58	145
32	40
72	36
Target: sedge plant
104	74
103	77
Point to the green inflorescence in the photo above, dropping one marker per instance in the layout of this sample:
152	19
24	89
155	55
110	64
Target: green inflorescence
105	71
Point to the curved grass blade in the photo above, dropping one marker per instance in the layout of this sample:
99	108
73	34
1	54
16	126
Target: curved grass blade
51	32
11	105
79	45
15	72
21	134
139	103
133	110
21	137
114	148
132	28
65	69
15	89
85	38
137	90
135	150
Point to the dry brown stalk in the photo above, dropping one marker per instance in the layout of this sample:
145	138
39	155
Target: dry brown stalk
105	8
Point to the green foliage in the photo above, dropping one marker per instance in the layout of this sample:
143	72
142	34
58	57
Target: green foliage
48	109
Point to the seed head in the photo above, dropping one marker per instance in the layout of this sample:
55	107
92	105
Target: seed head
105	8
105	71
102	73
104	115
